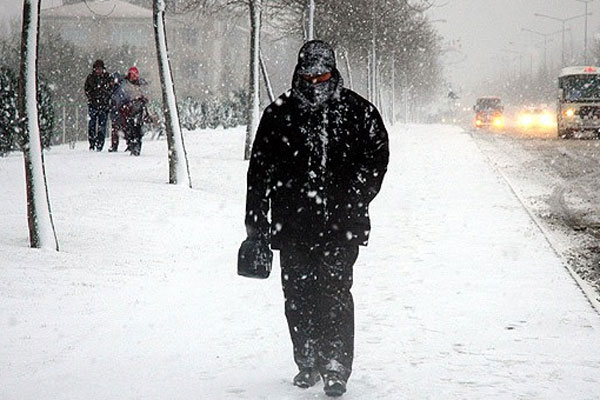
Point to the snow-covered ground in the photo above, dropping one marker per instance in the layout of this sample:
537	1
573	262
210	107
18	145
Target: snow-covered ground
559	182
458	296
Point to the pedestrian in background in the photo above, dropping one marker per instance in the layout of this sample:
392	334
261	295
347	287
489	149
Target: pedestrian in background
318	159
97	88
117	119
134	109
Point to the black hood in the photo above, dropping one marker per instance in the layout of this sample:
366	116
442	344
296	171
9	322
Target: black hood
316	58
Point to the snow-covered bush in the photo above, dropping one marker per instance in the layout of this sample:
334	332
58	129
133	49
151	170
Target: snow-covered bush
212	111
190	110
8	111
10	138
155	127
47	115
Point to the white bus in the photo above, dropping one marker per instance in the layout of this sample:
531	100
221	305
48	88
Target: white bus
578	101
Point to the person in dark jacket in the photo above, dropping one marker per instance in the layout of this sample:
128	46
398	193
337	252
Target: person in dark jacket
98	86
318	160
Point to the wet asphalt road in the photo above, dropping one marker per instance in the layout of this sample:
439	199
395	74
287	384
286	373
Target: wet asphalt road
559	182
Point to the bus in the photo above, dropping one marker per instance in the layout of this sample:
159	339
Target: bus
578	101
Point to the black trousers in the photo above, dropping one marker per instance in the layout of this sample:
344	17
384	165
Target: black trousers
97	117
134	137
318	305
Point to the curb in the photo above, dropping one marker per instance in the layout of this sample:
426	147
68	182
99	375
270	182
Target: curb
589	291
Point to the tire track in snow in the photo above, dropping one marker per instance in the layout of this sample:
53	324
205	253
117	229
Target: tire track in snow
572	217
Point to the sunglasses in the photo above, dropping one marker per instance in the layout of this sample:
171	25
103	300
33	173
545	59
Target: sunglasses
314	79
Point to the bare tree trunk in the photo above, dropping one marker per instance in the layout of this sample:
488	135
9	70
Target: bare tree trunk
265	74
379	102
310	20
304	24
179	168
393	99
39	216
373	71
379	99
406	106
348	70
369	80
373	75
253	90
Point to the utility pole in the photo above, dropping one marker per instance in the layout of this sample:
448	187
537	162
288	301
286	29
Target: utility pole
585	36
563	21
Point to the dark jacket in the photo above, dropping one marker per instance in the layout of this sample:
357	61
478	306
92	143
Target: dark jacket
134	100
118	96
316	169
98	90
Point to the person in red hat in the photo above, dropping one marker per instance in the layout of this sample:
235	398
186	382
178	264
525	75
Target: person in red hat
134	109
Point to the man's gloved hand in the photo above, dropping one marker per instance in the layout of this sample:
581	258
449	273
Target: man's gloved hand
255	258
257	234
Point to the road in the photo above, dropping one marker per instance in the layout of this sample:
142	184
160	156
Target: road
559	182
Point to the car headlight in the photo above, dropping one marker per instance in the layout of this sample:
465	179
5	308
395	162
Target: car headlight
547	120
569	112
526	120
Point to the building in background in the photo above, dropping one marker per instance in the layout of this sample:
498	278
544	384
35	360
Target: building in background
209	56
101	27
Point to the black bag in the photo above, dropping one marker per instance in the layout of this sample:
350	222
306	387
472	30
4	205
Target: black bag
254	259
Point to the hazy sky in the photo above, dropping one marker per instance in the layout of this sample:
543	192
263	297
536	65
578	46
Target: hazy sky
485	34
9	9
490	31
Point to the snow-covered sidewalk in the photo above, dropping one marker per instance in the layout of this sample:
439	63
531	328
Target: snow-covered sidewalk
458	296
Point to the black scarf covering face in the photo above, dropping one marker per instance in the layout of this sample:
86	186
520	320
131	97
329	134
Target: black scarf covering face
315	58
312	95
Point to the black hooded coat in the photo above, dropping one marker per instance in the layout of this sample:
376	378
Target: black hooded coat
318	159
98	89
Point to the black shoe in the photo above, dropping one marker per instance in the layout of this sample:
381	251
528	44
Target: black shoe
334	385
112	149
307	378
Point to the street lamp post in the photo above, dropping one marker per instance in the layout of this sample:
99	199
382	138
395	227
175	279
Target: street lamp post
545	36
563	21
522	53
519	56
585	36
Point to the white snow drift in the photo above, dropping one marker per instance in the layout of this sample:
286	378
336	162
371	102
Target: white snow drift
458	295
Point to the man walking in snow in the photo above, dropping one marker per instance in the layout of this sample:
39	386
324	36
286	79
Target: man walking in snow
98	88
318	159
